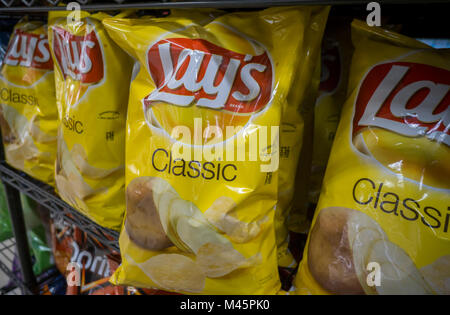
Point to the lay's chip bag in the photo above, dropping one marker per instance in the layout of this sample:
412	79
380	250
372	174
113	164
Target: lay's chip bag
28	113
92	77
296	136
202	150
382	221
336	53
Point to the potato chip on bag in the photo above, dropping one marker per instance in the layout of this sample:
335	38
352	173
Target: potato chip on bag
382	221
92	77
202	146
28	112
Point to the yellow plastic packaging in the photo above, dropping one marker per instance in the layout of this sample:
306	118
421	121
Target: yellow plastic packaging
295	122
336	53
28	113
92	76
382	224
202	152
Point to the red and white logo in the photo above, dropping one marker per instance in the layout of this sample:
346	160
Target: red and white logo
408	98
79	57
195	71
28	50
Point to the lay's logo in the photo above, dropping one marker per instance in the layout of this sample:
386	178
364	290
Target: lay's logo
195	71
408	98
28	50
79	57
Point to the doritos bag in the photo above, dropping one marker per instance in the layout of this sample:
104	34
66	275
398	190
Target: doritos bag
92	76
382	221
28	114
91	263
202	147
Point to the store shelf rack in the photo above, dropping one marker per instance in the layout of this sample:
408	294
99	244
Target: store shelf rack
48	283
45	195
7	253
36	6
15	182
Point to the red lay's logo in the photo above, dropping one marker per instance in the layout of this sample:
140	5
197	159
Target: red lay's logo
331	67
28	50
188	71
79	57
408	98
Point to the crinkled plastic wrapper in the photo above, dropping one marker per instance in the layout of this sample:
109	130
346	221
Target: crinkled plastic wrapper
86	264
28	113
336	56
296	136
202	150
92	76
336	53
382	221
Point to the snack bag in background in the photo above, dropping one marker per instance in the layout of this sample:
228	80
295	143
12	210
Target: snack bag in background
52	283
295	123
141	291
5	220
336	56
28	113
386	194
39	250
41	253
92	77
6	27
201	201
335	64
95	264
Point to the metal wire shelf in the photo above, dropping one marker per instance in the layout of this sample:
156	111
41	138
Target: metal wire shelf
35	6
9	290
7	253
45	194
16	286
60	210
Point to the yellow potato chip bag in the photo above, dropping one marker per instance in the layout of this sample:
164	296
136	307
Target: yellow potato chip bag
336	55
295	135
335	62
202	150
28	113
382	221
92	77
